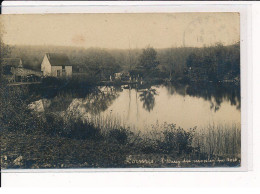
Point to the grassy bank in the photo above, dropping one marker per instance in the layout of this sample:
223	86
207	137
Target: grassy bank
73	144
35	150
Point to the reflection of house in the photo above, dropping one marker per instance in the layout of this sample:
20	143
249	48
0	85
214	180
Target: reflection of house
56	65
14	71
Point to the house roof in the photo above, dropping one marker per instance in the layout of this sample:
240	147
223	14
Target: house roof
12	62
58	59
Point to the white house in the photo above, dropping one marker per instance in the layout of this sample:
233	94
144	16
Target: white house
56	65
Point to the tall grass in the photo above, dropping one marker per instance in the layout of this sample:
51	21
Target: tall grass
211	141
219	140
108	122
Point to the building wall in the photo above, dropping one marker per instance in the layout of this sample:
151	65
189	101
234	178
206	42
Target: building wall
46	67
68	70
49	70
118	75
54	70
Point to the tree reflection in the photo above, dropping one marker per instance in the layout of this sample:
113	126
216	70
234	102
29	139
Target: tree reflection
216	94
100	100
176	88
148	99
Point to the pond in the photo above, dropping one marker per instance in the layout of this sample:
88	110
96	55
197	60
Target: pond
147	106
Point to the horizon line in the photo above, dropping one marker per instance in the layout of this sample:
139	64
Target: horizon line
106	48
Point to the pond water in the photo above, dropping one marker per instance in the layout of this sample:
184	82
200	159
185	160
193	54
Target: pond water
139	108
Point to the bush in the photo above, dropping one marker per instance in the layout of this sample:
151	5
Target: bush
52	81
71	128
14	113
176	140
119	135
82	130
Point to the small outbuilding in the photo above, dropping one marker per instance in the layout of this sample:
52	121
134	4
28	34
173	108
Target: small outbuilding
56	65
124	76
14	71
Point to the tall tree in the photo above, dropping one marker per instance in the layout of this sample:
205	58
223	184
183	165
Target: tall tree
147	62
4	49
148	59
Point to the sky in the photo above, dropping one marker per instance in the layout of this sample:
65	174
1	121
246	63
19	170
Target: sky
122	31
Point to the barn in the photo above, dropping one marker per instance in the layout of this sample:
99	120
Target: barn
56	65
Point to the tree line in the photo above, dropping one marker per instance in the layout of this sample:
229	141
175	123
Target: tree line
214	63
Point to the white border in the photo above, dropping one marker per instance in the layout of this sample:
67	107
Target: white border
10	7
53	7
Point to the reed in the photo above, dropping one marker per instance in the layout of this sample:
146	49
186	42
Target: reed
219	140
211	141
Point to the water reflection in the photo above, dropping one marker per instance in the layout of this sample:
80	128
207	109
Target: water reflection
141	106
97	101
103	97
216	94
100	100
148	99
176	88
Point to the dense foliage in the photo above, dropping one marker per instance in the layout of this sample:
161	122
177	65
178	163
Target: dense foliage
218	63
214	63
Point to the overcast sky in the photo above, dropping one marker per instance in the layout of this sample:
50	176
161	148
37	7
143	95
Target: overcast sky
122	30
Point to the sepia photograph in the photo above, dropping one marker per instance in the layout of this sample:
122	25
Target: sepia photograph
120	90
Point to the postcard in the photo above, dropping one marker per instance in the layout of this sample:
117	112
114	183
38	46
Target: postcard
120	90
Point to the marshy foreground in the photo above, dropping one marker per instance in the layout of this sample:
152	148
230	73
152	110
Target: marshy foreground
86	129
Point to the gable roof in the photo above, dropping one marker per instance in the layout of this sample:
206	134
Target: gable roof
12	62
58	59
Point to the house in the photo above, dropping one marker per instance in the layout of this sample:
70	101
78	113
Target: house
124	76
118	76
14	71
56	65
